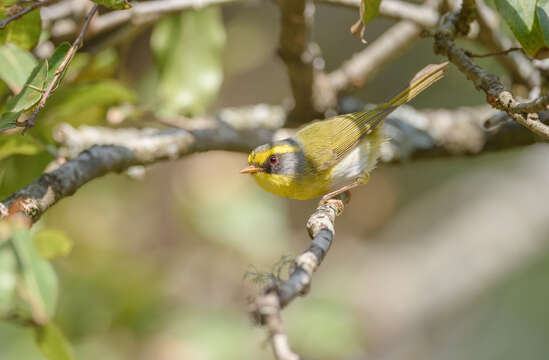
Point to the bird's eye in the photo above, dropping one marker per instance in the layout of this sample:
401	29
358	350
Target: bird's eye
273	159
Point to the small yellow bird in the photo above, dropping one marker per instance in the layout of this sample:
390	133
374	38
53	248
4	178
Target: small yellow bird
326	158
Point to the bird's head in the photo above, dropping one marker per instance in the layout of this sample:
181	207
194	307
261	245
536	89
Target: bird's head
283	157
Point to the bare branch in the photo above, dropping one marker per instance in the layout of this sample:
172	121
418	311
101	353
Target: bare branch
516	64
266	308
363	65
23	12
29	123
423	16
299	55
497	95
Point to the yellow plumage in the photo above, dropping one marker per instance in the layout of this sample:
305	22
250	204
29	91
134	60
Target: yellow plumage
330	156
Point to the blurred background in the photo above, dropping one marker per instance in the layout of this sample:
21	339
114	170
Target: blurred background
434	259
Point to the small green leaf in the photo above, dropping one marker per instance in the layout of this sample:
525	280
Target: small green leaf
23	32
114	4
542	13
187	49
37	82
56	59
8	120
52	343
38	293
16	65
369	10
520	15
52	243
23	145
32	90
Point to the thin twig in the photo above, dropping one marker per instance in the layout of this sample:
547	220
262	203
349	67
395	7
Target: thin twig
496	93
266	307
19	14
29	123
496	53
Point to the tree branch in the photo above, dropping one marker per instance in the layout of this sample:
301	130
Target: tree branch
23	12
29	123
266	308
96	151
299	55
497	95
422	15
517	64
362	66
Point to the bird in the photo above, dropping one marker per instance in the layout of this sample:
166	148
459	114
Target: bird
328	157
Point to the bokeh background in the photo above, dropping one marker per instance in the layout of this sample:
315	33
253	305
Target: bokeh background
437	259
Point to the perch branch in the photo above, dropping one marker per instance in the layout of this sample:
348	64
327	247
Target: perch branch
497	95
29	123
23	12
96	151
266	308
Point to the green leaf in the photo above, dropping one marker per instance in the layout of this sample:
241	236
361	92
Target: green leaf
8	120
520	15
38	293
52	243
114	4
542	11
369	10
52	343
37	82
8	272
16	65
18	144
56	59
187	48
23	32
32	90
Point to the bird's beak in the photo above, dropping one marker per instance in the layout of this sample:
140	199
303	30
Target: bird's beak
251	169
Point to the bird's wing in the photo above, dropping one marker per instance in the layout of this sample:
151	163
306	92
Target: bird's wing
330	140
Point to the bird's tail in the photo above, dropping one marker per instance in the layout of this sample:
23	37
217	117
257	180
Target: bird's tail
421	81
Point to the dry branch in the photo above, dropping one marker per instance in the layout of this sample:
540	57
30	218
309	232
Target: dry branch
266	308
497	95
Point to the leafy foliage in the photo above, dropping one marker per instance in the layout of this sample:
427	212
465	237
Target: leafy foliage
24	32
188	51
40	78
15	66
529	22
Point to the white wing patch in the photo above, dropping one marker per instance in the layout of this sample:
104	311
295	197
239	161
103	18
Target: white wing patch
359	162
